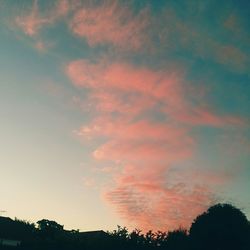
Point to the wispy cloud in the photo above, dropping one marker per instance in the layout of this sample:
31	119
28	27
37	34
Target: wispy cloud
32	22
117	24
118	86
143	147
177	33
150	204
110	23
143	110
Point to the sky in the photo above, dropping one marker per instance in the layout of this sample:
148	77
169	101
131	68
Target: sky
131	113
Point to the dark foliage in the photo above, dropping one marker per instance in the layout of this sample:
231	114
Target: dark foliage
221	227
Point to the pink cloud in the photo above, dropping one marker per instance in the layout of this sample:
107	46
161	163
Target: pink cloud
120	76
142	148
144	152
139	83
153	206
124	88
109	101
33	22
143	117
110	23
136	130
146	197
117	24
139	142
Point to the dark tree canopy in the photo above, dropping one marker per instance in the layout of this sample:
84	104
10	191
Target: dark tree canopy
177	239
49	228
49	224
221	227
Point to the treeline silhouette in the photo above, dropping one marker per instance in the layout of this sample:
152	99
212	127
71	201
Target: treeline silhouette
221	227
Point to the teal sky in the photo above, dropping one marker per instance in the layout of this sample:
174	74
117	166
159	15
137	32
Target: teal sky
132	113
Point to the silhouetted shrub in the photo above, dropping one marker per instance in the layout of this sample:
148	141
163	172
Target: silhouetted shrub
177	240
221	227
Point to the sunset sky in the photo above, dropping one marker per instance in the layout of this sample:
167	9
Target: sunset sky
131	113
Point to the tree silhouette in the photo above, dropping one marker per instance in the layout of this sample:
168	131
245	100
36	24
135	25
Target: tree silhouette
49	224
136	238
48	229
221	227
177	240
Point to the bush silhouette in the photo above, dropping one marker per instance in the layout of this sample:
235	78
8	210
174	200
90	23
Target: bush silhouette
177	240
221	227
